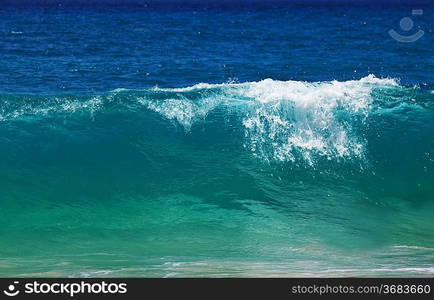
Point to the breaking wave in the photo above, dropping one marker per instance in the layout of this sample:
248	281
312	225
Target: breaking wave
288	121
287	171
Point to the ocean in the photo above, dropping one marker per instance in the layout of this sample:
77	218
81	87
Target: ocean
216	139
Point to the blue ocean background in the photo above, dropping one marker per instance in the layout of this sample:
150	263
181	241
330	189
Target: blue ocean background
216	139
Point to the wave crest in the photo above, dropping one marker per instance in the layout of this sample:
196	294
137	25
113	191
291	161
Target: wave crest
286	121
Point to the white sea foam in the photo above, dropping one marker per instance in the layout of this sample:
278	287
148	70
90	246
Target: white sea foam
286	120
184	111
55	105
294	119
281	120
414	247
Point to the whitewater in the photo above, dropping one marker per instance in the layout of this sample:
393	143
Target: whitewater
267	178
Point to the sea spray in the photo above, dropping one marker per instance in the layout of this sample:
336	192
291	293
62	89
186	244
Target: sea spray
239	179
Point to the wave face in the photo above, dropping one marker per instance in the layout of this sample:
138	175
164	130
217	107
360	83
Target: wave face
214	178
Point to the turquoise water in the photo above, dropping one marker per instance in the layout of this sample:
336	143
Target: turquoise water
266	178
222	141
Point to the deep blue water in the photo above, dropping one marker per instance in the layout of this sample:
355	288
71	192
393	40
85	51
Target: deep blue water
216	138
88	49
